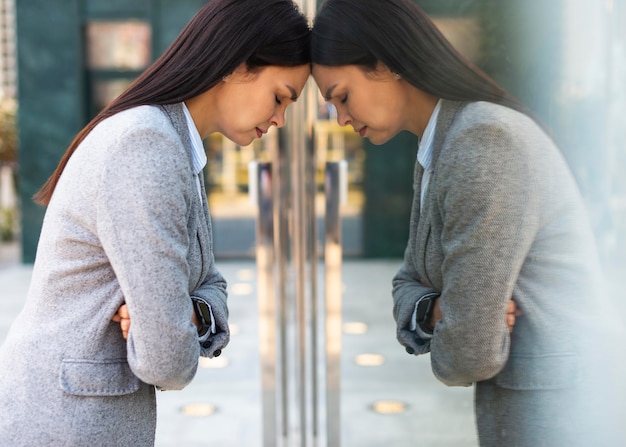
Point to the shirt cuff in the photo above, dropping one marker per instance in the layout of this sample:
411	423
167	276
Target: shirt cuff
212	328
415	327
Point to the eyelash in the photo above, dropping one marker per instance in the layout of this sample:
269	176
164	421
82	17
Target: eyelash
344	99
277	100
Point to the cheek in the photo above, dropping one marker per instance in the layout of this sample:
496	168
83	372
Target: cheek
257	109
384	110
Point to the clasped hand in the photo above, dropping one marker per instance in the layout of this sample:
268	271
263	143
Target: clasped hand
123	318
512	312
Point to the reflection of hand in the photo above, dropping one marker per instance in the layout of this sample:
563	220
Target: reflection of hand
123	318
511	312
404	314
436	314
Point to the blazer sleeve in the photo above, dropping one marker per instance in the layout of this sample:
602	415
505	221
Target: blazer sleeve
407	291
143	206
213	291
489	203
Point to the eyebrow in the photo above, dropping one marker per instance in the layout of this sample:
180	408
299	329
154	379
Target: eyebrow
329	92
294	94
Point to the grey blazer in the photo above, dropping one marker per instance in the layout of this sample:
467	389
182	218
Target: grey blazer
125	224
502	218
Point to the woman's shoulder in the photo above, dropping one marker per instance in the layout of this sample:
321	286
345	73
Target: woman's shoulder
483	112
482	134
492	125
143	135
137	126
140	117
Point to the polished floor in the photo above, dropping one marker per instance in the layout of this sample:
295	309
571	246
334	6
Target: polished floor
222	406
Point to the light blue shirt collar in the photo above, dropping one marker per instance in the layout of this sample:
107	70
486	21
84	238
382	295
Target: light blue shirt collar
198	155
425	148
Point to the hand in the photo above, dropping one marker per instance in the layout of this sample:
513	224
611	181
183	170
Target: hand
123	318
436	314
512	311
194	320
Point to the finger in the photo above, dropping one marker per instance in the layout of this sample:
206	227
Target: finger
510	321
511	307
123	311
116	318
125	325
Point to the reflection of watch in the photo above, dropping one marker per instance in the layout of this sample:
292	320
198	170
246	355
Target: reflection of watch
203	314
425	307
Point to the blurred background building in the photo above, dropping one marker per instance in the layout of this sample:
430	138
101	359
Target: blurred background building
565	59
7	49
8	133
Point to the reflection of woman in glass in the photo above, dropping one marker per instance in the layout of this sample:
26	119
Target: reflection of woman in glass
496	214
127	222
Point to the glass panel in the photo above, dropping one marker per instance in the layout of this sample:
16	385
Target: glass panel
464	33
118	45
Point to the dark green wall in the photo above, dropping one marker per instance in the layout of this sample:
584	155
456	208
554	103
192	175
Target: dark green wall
50	106
52	94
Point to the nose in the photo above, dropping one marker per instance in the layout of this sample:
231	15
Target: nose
278	119
343	118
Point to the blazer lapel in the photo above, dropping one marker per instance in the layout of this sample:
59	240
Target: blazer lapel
200	219
420	230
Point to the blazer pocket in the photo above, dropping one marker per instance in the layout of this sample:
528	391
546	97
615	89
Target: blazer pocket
85	377
540	372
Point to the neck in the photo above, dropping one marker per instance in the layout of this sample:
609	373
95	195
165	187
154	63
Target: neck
201	111
421	107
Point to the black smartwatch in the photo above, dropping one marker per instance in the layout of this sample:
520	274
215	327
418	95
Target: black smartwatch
425	307
203	314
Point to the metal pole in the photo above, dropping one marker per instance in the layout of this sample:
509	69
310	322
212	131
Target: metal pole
262	194
335	181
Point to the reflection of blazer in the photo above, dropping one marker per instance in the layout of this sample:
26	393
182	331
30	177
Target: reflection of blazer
503	218
126	223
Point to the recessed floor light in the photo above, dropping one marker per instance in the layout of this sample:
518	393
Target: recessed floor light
214	363
354	328
245	275
369	360
389	407
241	289
198	410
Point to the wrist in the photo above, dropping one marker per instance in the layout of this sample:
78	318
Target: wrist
202	315
425	315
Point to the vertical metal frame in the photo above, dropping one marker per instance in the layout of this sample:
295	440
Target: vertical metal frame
335	191
300	333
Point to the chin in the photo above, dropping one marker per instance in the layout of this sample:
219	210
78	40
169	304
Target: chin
241	140
378	140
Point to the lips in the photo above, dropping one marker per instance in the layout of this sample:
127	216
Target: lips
260	132
362	131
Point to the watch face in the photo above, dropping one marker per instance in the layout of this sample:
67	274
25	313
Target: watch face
204	311
423	309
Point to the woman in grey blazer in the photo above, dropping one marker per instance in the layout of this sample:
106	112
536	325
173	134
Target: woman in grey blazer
127	222
496	216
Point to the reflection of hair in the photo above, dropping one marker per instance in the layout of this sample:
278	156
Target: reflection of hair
220	37
401	36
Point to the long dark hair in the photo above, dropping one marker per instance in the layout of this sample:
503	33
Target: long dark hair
220	37
401	36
